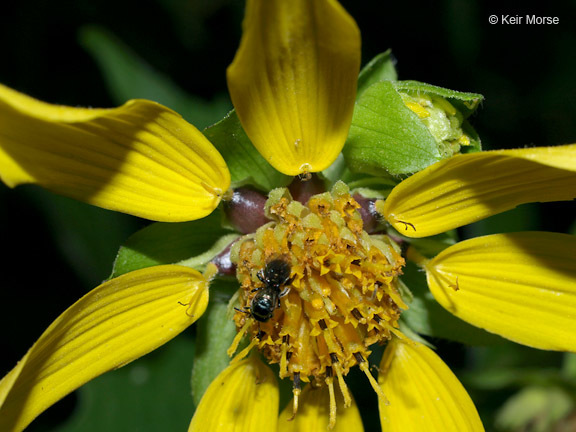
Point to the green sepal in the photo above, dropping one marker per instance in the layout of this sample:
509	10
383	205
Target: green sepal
246	165
427	317
191	243
380	68
464	102
386	137
475	143
214	335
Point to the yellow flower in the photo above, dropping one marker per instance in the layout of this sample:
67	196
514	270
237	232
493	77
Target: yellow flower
293	86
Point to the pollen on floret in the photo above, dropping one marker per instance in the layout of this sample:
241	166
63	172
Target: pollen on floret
341	296
443	120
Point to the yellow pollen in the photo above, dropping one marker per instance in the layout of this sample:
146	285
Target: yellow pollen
339	294
317	303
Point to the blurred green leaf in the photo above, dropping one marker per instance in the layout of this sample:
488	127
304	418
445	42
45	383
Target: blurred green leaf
427	317
499	377
216	330
569	367
130	77
536	409
246	165
380	68
150	394
169	243
87	236
573	228
510	355
386	137
521	218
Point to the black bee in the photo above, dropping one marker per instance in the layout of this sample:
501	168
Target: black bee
275	276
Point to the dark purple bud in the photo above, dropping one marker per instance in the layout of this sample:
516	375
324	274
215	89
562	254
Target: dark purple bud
245	210
370	216
222	261
302	188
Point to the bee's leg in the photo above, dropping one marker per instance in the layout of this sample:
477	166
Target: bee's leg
260	275
287	286
285	291
245	310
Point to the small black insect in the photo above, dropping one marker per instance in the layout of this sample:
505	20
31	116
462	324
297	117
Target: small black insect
275	276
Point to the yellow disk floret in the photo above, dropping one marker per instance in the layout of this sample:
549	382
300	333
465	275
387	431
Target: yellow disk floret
341	296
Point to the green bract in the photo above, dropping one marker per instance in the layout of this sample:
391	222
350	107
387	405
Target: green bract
192	243
380	68
386	137
401	127
246	165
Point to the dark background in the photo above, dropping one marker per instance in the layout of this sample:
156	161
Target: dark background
54	250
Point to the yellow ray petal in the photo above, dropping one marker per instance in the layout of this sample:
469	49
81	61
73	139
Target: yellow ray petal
115	323
314	413
141	158
293	81
424	394
470	187
244	397
521	286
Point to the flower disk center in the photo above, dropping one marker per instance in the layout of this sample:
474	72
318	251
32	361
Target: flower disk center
333	287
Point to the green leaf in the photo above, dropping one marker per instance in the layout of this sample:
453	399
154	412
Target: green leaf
150	394
569	367
215	332
129	77
246	165
427	317
380	68
464	102
386	137
499	377
537	408
191	243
